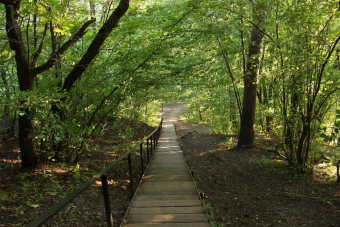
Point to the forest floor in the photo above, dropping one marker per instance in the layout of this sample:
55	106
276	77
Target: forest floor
27	193
250	187
254	187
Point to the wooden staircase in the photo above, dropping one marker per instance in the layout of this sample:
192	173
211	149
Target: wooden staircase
167	195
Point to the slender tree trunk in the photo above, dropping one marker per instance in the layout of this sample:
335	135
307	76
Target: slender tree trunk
7	92
247	134
269	119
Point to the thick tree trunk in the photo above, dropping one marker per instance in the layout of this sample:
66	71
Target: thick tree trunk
247	134
28	156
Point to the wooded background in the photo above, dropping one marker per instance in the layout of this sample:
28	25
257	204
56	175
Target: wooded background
247	67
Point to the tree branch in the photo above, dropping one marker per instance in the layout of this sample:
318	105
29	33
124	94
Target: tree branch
318	82
88	124
238	99
52	60
96	44
37	54
8	2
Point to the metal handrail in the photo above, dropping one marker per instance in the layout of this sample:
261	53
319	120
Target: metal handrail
153	137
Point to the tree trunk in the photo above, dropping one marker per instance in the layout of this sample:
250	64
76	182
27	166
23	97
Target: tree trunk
7	93
28	156
26	74
247	134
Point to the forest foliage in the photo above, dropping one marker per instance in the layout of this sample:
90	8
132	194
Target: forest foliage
162	50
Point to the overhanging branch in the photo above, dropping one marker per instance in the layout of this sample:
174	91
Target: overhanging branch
52	60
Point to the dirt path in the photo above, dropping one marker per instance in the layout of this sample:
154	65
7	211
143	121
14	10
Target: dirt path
173	111
251	187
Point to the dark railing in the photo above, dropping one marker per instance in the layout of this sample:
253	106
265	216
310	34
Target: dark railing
151	142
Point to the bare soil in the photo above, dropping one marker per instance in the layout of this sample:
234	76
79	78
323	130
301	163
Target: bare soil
253	187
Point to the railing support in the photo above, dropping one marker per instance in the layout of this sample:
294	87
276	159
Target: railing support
106	194
130	173
147	150
337	173
151	145
141	159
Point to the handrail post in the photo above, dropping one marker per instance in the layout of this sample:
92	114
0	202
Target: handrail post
151	145
157	136
106	194
130	173
141	158
147	149
154	142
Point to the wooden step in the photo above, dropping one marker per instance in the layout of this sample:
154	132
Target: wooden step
168	188
197	224
167	172
140	197
167	210
167	203
166	178
168	218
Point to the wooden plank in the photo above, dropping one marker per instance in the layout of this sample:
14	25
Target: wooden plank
140	224
161	168
141	197
173	158
162	178
167	192
168	165
167	172
167	203
168	218
167	210
169	188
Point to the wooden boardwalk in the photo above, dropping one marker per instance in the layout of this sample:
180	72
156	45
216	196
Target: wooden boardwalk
167	195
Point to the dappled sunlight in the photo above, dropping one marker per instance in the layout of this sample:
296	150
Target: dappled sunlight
166	139
111	154
324	172
172	152
168	147
173	120
98	183
10	162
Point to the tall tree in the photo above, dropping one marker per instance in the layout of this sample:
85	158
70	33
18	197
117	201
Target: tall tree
247	134
27	71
